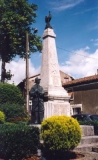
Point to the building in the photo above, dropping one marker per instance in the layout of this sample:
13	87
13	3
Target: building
84	94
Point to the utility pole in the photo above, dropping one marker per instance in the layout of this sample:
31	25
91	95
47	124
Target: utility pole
27	72
27	69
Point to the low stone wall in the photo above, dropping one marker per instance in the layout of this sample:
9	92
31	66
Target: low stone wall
87	130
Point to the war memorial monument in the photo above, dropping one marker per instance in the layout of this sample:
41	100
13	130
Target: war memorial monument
56	97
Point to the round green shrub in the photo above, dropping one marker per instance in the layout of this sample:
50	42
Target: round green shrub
60	133
14	112
2	117
10	93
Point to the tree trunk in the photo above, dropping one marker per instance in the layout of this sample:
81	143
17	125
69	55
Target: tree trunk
3	71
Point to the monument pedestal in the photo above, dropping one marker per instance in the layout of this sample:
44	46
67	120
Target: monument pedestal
57	97
56	107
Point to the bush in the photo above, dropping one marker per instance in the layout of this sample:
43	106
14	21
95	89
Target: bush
14	112
60	133
18	141
19	119
2	117
10	94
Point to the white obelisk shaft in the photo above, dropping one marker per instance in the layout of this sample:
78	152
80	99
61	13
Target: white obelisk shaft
58	99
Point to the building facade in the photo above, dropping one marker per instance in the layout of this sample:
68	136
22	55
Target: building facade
84	94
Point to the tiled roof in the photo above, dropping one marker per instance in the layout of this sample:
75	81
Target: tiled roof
81	80
67	75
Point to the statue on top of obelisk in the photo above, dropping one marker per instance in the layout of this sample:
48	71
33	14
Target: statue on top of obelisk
47	20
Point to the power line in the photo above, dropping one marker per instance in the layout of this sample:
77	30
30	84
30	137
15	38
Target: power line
77	53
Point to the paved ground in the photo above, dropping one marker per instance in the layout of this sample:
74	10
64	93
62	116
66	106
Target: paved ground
89	156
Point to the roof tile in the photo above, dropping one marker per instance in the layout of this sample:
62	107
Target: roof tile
81	80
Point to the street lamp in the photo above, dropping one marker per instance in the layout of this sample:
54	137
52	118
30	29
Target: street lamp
27	69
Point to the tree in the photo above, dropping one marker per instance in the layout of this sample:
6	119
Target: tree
16	18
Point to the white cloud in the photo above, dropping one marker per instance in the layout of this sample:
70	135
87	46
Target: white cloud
81	64
65	4
86	48
95	41
92	40
87	10
19	70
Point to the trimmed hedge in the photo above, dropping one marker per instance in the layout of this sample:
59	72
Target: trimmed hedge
2	117
19	119
18	141
10	93
60	133
14	112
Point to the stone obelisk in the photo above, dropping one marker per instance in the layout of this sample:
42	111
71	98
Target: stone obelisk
57	97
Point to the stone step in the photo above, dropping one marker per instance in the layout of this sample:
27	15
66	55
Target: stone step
95	149
87	147
89	140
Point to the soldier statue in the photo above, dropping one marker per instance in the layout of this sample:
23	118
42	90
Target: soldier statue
37	95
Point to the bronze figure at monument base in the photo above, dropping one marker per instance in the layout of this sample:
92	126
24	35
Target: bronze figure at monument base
37	95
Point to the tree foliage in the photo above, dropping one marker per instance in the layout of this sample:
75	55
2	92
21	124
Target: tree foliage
17	18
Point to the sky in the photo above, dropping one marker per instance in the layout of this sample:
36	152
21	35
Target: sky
75	23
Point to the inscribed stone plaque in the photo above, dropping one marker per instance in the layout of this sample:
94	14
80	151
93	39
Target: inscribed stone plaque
56	109
60	109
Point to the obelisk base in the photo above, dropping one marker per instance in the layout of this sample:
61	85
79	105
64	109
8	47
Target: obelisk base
57	107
